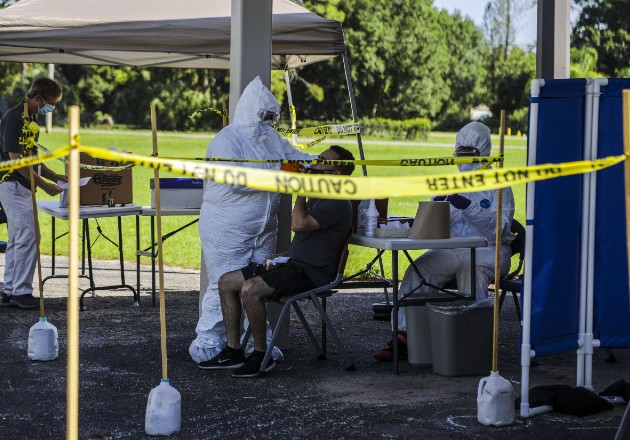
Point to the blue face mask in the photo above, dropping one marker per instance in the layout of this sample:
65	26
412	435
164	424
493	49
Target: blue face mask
47	108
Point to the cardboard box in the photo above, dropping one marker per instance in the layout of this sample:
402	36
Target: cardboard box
178	193
105	186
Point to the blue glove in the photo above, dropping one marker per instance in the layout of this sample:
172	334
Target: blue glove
439	198
459	202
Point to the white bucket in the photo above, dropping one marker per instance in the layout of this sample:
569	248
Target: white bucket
164	410
42	341
495	401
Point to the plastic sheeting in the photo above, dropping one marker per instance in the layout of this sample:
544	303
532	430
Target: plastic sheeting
557	220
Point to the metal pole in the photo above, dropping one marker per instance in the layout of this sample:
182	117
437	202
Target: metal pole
353	107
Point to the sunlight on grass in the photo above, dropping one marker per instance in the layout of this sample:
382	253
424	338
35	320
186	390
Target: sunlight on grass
183	249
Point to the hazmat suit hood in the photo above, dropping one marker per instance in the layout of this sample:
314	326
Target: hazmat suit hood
474	134
253	103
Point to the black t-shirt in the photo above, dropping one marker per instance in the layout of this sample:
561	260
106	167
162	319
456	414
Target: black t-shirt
318	251
13	140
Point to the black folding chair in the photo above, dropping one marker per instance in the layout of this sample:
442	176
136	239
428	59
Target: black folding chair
314	296
513	282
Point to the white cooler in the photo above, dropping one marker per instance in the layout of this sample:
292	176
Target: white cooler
178	193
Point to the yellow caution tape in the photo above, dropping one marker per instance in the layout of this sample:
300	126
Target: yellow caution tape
293	114
429	161
327	130
90	167
345	187
33	160
208	109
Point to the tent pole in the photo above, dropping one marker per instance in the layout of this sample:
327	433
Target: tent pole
353	106
590	290
526	353
583	338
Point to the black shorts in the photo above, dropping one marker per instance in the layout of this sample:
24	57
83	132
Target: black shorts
287	279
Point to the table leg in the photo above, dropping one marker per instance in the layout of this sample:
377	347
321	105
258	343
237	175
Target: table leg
121	258
54	239
473	273
153	260
395	308
138	257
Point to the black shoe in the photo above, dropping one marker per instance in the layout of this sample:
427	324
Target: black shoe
6	300
228	358
24	301
251	367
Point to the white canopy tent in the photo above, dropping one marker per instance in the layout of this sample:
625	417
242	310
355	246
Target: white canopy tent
155	33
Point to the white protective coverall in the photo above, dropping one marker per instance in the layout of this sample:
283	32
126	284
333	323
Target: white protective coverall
238	225
439	266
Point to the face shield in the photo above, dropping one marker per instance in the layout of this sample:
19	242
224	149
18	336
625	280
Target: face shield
464	151
269	117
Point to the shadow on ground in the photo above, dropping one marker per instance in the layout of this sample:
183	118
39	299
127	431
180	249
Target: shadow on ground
302	398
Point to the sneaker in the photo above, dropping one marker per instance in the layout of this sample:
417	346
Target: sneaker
227	359
24	301
6	300
251	367
386	354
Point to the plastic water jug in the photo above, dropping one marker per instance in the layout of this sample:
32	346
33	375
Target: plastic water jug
42	341
495	401
362	208
164	410
371	219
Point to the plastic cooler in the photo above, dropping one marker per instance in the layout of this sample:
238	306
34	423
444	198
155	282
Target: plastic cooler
178	193
461	337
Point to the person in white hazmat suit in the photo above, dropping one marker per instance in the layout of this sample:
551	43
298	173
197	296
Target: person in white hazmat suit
474	214
238	225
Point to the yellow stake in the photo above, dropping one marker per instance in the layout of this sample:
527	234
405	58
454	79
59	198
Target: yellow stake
72	387
497	256
158	219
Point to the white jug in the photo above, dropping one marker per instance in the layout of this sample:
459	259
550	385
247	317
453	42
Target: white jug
42	341
495	401
164	410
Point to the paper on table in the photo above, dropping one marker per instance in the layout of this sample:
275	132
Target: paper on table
64	185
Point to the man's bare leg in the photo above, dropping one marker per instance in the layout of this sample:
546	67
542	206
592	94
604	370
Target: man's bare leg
230	285
255	292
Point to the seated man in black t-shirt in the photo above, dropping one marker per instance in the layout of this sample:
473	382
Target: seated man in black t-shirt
320	226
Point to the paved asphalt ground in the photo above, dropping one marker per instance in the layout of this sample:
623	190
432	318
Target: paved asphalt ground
302	398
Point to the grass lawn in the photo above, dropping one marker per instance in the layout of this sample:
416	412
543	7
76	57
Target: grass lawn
183	249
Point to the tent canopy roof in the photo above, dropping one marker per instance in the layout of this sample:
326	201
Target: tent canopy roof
155	33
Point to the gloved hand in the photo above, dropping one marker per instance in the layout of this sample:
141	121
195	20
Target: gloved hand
459	202
439	198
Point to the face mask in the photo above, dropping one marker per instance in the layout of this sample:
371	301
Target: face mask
466	167
47	108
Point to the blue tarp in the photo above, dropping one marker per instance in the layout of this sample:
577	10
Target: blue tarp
557	223
557	220
611	324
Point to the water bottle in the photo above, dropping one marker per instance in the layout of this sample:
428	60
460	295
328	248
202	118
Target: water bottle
371	219
363	206
164	410
495	401
42	341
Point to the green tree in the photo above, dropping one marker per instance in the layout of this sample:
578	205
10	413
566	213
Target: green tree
604	25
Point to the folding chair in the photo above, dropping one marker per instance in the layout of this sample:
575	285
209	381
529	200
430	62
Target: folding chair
513	282
314	294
